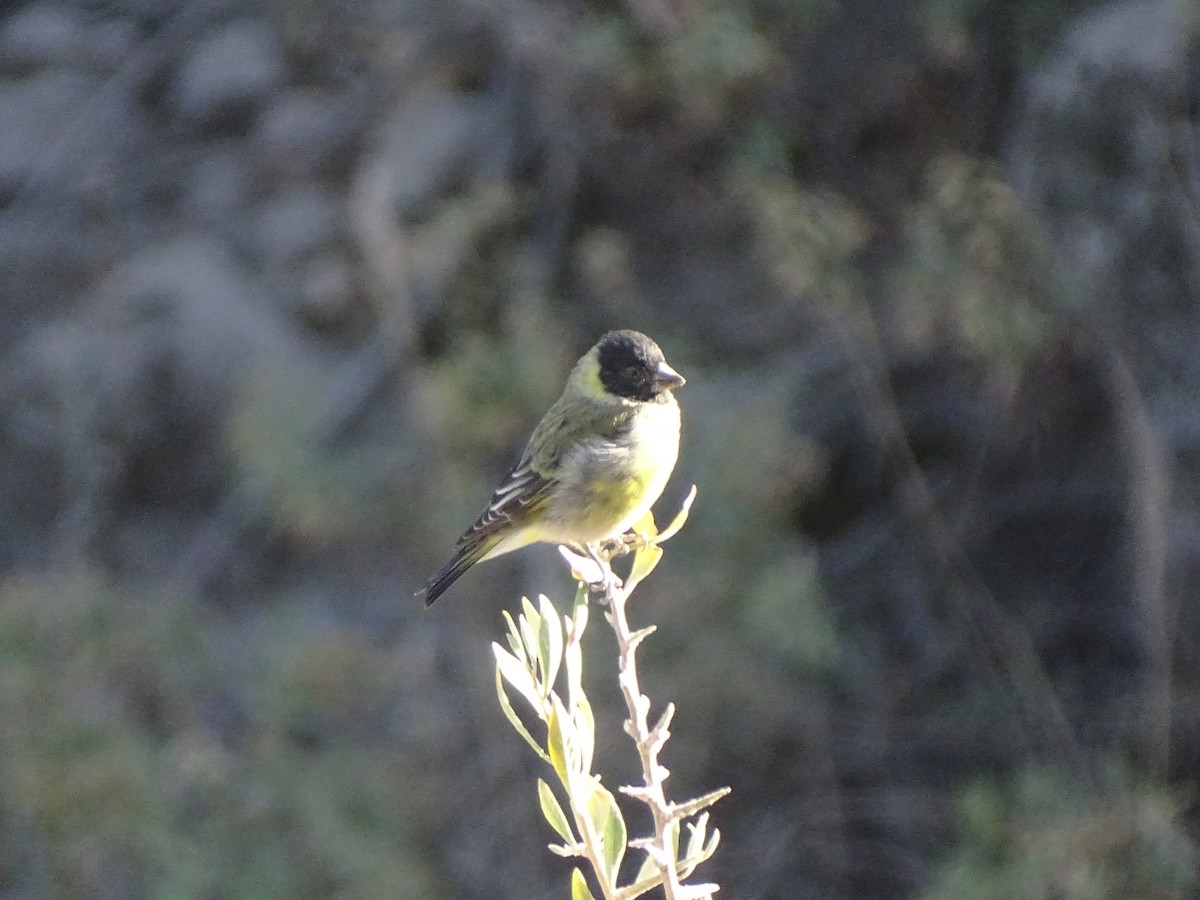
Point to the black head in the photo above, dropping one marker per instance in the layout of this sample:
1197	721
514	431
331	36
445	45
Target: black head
632	366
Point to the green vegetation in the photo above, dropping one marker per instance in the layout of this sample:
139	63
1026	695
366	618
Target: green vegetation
541	644
128	768
1042	834
930	272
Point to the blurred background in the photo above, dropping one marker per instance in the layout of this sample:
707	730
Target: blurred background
286	285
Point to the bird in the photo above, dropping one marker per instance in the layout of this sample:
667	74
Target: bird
594	465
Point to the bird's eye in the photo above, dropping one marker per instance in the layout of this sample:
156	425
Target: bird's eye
635	374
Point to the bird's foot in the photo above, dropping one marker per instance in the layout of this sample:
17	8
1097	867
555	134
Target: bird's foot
611	548
608	582
628	542
637	540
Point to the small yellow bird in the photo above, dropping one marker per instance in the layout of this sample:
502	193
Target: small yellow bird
595	464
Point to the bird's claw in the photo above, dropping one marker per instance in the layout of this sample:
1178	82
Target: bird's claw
613	547
608	581
630	541
637	540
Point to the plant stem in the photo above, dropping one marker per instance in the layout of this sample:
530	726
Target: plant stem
648	742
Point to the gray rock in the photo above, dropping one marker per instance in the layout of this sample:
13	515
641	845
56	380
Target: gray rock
327	298
60	126
299	132
1105	150
220	184
1149	37
229	74
42	34
109	44
35	111
143	369
216	319
428	145
1096	145
297	222
51	34
48	253
66	140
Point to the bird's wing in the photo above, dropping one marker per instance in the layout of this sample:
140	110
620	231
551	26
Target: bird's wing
521	492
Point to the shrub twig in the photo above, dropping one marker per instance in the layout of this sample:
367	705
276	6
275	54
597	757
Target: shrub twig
543	645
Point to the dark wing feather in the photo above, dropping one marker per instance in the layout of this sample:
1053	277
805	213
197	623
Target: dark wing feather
525	488
522	491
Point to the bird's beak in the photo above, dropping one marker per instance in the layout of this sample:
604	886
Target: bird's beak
666	378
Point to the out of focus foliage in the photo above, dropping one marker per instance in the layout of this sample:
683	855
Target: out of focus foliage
1049	836
287	284
141	757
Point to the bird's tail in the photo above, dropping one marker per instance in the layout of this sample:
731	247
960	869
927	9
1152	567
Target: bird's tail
450	572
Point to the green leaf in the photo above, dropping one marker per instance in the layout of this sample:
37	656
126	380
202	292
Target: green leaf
579	888
580	620
585	731
688	865
648	871
698	830
530	622
550	642
553	812
680	518
514	719
518	676
608	823
644	561
645	526
514	638
574	658
556	742
649	877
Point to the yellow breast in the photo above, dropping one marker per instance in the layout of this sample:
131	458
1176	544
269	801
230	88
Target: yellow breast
619	488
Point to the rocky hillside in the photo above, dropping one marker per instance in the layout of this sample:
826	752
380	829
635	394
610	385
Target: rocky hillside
287	284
